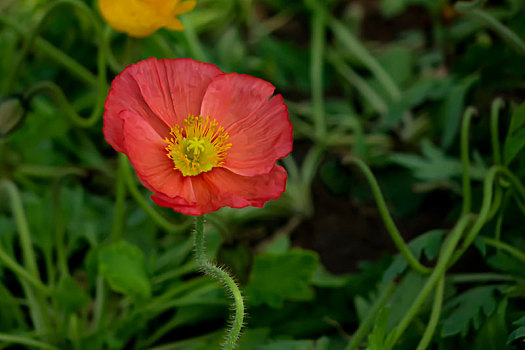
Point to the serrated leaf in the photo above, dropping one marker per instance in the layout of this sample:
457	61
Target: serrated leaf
429	243
466	310
436	166
123	266
493	333
279	277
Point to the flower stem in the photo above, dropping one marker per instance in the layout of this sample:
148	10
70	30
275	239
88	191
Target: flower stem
434	315
218	273
358	50
365	326
387	219
38	307
494	129
316	69
518	254
436	275
465	129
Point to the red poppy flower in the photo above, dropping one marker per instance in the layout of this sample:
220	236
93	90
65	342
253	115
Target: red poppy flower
200	139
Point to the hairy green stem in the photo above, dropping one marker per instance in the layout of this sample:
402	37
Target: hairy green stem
214	271
367	323
153	214
497	105
434	315
465	130
387	219
438	272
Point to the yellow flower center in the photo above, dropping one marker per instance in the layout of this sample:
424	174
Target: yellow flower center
197	147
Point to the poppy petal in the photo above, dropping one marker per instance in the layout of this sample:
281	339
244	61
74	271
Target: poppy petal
163	92
146	152
233	97
273	131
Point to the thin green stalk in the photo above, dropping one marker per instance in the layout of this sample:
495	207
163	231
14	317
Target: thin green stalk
488	183
56	93
30	39
190	266
387	219
435	276
23	228
99	304
434	315
195	46
120	201
361	85
465	131
44	171
503	31
478	277
518	254
468	5
153	214
17	339
364	327
57	55
316	69
60	228
39	310
357	49
216	272
11	264
497	105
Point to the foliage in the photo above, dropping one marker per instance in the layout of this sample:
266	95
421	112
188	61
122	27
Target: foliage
379	88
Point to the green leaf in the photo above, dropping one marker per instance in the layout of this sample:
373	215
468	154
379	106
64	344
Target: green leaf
289	345
513	145
435	166
70	296
518	332
466	309
279	277
517	121
123	266
380	339
429	243
493	333
452	109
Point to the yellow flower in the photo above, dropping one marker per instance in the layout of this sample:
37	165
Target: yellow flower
140	18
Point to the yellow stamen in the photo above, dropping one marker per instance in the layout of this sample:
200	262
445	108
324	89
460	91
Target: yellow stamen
197	147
